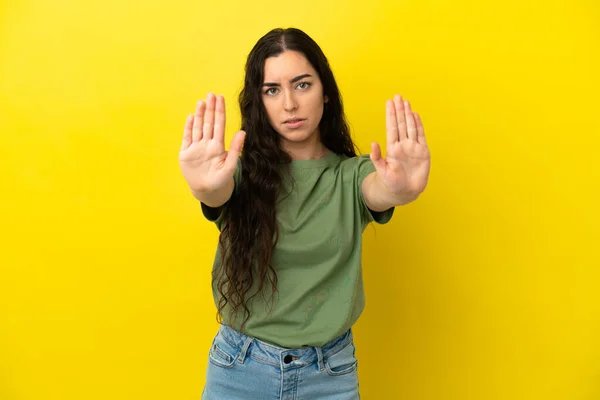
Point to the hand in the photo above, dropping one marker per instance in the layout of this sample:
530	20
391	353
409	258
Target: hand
205	164
405	169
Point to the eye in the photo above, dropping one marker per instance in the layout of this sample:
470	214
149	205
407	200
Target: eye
307	85
268	91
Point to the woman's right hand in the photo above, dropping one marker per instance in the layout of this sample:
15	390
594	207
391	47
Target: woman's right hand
205	164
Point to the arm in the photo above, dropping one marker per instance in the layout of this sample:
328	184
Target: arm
217	197
379	198
207	168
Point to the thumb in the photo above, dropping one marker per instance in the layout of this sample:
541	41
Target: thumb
234	150
378	161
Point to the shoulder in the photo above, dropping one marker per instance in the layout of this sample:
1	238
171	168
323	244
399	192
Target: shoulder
359	166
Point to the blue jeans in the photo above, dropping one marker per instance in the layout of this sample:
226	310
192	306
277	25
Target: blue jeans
243	367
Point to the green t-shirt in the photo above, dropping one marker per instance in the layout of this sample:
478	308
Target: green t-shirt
317	257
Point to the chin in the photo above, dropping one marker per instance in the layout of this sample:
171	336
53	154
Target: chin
298	135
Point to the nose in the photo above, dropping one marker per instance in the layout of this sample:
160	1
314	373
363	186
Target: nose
289	101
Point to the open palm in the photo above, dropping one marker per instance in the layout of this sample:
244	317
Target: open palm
405	168
205	164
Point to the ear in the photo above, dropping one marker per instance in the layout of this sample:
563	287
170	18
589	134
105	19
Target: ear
325	99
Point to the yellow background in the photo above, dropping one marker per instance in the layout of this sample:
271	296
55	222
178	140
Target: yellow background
485	288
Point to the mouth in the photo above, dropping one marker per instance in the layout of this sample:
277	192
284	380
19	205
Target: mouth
293	120
294	123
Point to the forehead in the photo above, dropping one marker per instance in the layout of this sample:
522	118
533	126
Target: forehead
286	66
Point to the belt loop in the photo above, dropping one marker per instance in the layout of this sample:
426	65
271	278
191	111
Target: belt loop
247	341
320	362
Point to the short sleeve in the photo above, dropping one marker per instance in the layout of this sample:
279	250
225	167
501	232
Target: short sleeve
213	214
364	167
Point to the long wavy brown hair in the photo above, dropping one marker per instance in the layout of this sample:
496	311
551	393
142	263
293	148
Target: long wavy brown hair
250	232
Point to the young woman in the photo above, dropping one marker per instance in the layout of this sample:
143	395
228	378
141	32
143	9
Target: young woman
291	209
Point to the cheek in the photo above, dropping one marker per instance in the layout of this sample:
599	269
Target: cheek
270	107
316	100
317	106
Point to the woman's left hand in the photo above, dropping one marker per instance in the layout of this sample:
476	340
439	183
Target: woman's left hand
405	169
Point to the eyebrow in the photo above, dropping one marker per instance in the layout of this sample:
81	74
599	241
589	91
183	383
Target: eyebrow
293	80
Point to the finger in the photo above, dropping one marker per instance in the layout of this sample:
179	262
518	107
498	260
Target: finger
209	117
234	151
187	132
400	117
378	161
219	133
420	129
391	124
411	126
198	117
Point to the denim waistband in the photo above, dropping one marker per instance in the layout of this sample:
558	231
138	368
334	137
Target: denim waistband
281	356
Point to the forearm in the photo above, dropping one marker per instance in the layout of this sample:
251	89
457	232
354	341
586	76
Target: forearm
215	198
379	198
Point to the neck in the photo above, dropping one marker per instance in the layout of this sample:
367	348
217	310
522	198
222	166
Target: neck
305	151
311	149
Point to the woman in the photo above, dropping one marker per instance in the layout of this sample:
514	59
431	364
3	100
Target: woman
291	210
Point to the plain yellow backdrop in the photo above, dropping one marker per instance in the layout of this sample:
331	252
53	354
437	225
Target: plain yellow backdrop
486	288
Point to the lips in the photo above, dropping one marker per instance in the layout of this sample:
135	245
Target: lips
292	120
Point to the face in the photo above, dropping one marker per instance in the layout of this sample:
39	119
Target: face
293	97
